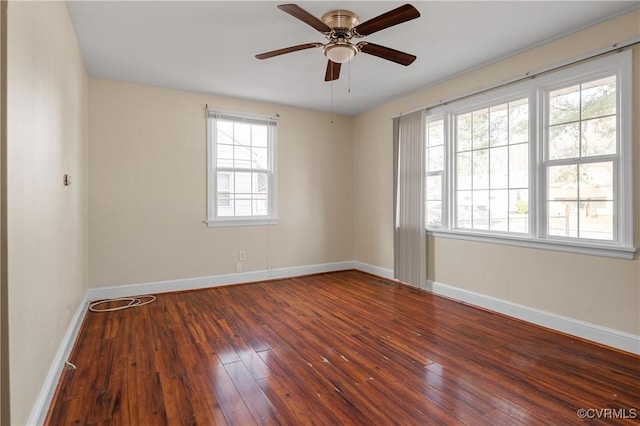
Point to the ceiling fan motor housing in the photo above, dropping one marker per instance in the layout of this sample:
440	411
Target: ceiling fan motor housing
340	19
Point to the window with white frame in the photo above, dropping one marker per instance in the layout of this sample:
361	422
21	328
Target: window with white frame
581	157
241	169
545	162
434	166
492	157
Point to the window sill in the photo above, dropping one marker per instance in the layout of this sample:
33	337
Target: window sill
220	223
616	252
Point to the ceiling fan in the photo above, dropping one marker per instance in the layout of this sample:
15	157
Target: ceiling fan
340	27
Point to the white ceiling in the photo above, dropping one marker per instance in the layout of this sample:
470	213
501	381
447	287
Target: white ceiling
209	46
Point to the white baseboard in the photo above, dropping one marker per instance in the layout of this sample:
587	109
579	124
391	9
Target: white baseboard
596	333
371	269
41	407
213	281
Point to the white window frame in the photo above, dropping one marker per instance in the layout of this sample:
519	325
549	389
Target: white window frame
536	90
498	97
213	219
622	160
429	118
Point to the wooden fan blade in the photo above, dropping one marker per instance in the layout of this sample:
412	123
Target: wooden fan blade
333	71
387	53
301	14
393	17
287	50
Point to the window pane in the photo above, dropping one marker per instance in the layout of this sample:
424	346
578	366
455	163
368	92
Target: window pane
597	222
562	218
499	162
435	133
499	125
434	213
224	200
596	181
499	210
433	197
259	205
463	134
599	136
481	169
242	156
519	121
434	188
242	183
480	128
563	183
464	203
564	141
260	158
519	166
464	170
480	211
564	105
596	196
562	208
519	210
435	147
581	200
225	207
224	132
242	134
599	98
259	135
243	206
260	183
434	158
224	155
224	181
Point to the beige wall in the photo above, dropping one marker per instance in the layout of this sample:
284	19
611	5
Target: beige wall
147	162
47	222
593	289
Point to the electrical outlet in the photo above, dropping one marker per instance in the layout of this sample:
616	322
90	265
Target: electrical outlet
239	267
242	255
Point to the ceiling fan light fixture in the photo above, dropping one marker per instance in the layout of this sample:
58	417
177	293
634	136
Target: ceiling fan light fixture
340	52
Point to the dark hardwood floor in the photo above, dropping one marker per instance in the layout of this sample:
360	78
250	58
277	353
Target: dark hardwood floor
337	348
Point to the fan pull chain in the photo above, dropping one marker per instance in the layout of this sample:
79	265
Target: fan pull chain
349	71
331	83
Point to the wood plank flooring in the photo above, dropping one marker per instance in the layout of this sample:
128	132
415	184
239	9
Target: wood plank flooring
330	349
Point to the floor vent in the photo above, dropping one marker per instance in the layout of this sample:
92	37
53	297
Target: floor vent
385	282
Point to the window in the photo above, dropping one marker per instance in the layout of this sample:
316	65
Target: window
492	157
580	159
241	172
434	164
543	163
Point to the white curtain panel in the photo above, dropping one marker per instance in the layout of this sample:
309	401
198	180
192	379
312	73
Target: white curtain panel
409	239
